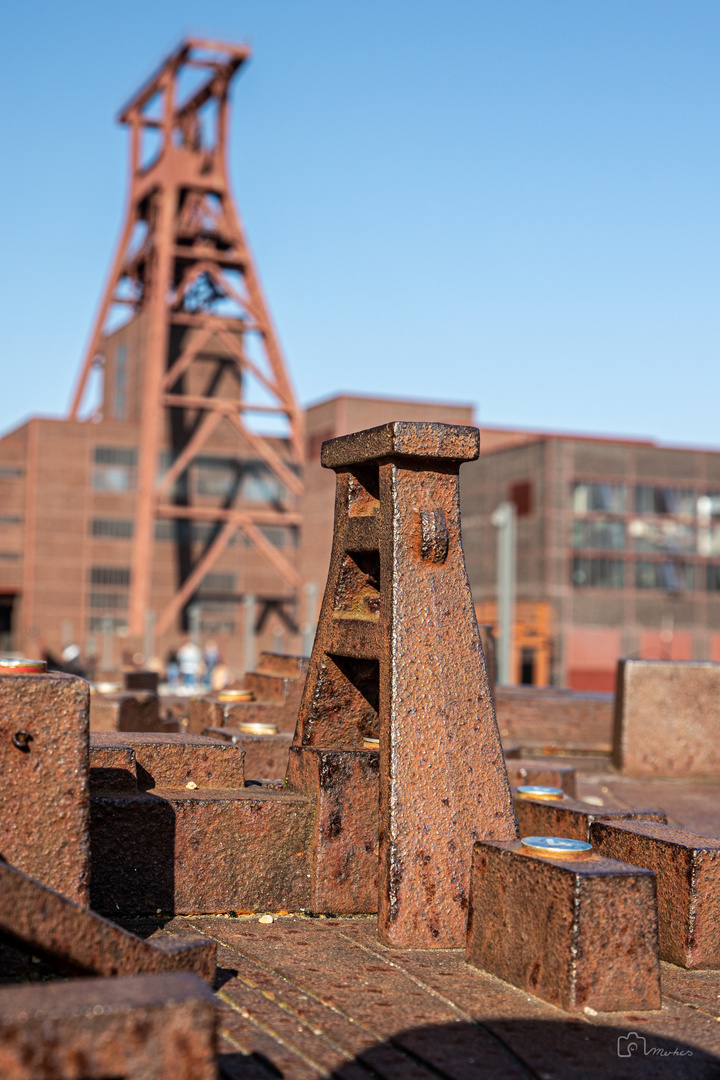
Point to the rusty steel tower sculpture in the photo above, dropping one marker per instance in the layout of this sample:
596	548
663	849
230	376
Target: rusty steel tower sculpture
184	271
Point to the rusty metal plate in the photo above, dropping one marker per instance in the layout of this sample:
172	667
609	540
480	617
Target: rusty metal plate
75	939
568	817
173	760
125	711
266	756
343	786
44	795
146	1027
200	851
688	884
667	718
578	933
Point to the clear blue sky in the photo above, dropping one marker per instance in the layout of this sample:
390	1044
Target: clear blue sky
514	203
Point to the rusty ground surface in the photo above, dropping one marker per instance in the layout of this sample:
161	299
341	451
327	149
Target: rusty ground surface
307	998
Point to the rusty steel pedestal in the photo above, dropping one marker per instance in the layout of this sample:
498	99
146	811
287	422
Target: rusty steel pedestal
398	657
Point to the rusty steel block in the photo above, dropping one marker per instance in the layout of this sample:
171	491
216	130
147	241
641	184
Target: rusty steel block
112	765
44	796
688	884
343	786
266	756
146	1027
76	940
170	850
577	932
667	718
141	680
529	771
167	760
544	718
398	656
209	711
127	711
568	817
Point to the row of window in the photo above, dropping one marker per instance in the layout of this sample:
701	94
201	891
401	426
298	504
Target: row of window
115	470
648	499
659	538
671	576
188	532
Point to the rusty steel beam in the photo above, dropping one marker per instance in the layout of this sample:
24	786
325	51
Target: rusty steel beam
688	884
44	798
564	816
76	940
147	1027
397	657
578	932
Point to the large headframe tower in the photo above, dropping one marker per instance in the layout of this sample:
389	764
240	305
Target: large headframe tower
208	371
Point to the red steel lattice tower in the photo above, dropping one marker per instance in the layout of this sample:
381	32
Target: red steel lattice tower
184	271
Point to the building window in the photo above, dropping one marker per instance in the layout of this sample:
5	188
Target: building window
599	535
671	576
9	555
521	495
112	528
597	573
660	537
110	575
609	498
115	468
7	471
107	624
217	477
261	485
8	519
109	600
121	383
218	583
713	578
662	500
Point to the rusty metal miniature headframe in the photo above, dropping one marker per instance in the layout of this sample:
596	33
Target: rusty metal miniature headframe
398	656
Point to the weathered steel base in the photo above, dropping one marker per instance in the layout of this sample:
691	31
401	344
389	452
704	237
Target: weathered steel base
688	884
76	940
579	933
147	1027
568	817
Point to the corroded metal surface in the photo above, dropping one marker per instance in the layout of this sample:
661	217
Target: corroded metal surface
667	718
266	756
688	884
177	850
568	817
44	798
148	1027
545	718
578	933
75	939
343	786
171	760
398	656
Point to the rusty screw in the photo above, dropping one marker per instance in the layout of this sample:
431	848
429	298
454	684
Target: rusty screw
22	740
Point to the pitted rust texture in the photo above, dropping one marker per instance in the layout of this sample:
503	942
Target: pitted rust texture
343	786
168	760
147	1027
667	718
215	850
568	817
398	657
44	798
76	940
688	884
577	932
